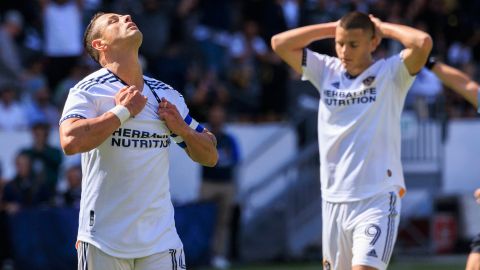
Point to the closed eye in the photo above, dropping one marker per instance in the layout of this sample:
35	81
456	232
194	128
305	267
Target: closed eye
113	19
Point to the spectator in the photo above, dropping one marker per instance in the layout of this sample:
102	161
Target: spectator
45	159
62	26
12	114
423	94
77	72
212	32
203	90
40	108
155	24
27	189
10	60
33	78
218	184
71	197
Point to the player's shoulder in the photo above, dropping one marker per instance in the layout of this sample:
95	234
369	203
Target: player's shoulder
393	59
159	86
96	80
329	60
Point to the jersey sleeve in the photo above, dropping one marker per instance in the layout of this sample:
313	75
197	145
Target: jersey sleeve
315	66
400	75
184	112
79	104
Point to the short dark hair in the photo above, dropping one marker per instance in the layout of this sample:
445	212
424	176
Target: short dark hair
357	20
90	35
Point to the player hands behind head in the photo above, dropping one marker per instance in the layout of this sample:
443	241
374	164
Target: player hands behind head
123	122
358	131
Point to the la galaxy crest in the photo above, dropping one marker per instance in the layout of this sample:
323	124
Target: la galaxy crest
368	81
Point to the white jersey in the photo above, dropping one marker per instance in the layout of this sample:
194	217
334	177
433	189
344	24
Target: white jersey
125	208
358	125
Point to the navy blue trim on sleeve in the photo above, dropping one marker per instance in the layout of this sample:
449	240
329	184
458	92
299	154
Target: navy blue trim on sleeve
74	115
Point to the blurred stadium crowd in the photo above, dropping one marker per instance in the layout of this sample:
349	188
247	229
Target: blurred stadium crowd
212	51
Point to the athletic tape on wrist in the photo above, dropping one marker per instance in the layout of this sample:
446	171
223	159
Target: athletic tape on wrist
121	112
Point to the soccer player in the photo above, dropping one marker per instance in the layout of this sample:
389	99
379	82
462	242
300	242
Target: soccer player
359	131
470	90
123	122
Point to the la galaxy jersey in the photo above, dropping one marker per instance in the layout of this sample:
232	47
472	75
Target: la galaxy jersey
358	125
125	208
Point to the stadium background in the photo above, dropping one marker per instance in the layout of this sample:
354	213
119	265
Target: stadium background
217	51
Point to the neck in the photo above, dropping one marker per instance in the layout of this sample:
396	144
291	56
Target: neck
126	67
354	72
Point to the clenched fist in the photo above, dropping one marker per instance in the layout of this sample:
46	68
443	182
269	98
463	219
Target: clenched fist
132	98
168	112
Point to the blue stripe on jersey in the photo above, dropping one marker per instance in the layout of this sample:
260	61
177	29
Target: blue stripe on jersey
182	144
85	85
157	85
188	119
74	115
199	128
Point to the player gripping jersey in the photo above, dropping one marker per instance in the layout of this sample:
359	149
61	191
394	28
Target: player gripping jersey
130	168
126	216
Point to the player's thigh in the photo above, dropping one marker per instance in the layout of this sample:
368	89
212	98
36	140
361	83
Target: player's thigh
336	242
92	258
173	259
375	233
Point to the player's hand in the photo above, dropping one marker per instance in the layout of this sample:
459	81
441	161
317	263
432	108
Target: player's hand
168	112
476	194
378	26
132	98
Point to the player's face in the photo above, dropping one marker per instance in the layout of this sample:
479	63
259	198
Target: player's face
118	29
354	48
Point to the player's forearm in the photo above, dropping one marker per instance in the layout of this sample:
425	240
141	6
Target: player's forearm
457	81
289	44
201	147
409	37
82	135
299	38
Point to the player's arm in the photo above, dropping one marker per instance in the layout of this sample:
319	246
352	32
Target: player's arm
289	45
79	135
457	81
201	146
418	44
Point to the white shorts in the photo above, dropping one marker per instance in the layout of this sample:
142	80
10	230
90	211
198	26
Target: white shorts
92	258
361	232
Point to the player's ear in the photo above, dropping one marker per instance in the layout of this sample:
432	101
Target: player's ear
375	42
99	44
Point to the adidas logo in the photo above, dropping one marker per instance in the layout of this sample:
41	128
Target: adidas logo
372	253
336	84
